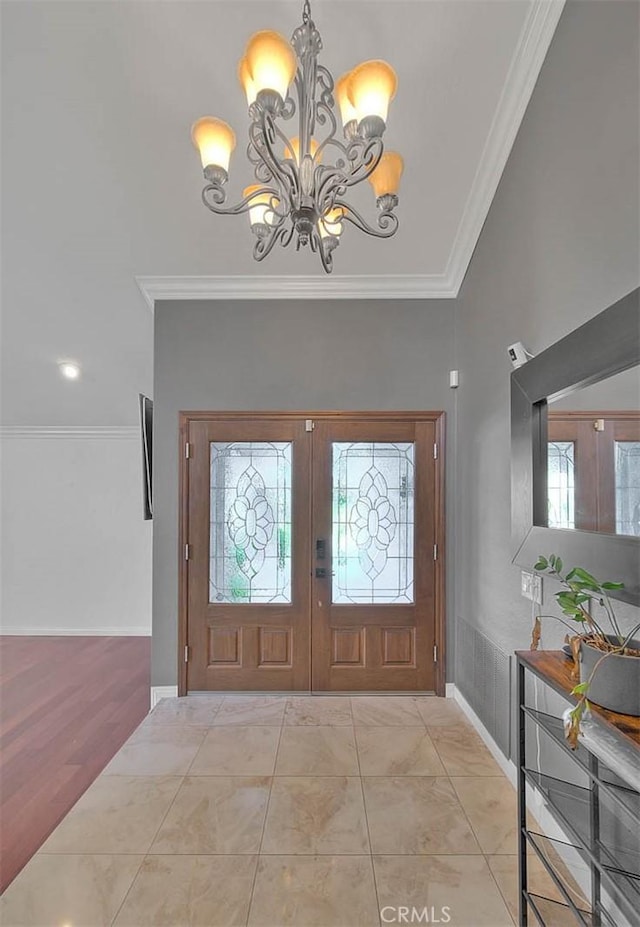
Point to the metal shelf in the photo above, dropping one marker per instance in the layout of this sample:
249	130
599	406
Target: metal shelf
601	821
627	799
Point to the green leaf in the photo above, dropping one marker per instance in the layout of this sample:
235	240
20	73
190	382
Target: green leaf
586	577
613	585
580	689
570	574
552	560
542	563
558	564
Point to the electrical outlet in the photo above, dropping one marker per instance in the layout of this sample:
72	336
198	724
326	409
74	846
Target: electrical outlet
531	586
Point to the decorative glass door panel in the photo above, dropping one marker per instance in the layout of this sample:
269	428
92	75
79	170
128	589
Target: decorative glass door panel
373	523
561	484
250	542
627	479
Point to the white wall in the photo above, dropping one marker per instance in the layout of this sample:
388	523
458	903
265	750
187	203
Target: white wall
76	553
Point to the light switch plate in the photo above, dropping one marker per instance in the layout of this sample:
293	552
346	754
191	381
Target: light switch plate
531	586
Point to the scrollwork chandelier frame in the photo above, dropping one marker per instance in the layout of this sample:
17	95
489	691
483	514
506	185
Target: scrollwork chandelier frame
303	184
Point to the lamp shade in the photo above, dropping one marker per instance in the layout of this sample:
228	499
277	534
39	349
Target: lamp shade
215	140
261	208
347	109
386	177
246	81
295	147
371	87
331	223
271	62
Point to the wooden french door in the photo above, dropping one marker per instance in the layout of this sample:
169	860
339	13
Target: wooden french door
311	552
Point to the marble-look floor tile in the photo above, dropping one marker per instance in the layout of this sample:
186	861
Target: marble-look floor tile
316	815
505	872
317	751
83	890
455	890
440	712
158	750
215	814
237	750
490	805
386	711
314	891
328	710
253	710
397	751
190	709
416	815
117	814
190	891
462	752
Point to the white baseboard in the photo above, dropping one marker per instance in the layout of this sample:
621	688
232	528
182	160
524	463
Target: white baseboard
450	690
14	631
536	802
158	692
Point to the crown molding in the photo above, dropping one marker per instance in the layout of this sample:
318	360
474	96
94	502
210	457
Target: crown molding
533	44
535	37
110	432
399	286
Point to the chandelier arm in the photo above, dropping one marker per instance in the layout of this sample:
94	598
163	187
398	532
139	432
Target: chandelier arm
332	183
264	246
364	157
387	221
292	170
215	192
283	172
325	248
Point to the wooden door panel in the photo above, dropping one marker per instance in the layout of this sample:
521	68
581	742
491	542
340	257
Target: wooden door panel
368	646
242	644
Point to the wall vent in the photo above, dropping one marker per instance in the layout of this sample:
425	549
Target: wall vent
483	676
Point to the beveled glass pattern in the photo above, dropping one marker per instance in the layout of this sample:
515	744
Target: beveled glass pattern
373	523
250	537
628	488
561	484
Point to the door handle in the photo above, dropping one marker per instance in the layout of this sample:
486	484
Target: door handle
321	551
323	573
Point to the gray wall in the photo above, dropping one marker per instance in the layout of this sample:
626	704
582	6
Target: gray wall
560	244
281	355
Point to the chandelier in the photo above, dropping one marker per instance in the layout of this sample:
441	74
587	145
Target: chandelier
303	181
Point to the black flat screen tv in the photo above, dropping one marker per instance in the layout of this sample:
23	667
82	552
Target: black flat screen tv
146	430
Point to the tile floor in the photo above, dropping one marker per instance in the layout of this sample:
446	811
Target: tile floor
274	811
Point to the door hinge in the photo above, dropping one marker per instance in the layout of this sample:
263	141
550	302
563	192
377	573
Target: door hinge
186	654
435	451
435	653
309	424
187	450
435	551
187	551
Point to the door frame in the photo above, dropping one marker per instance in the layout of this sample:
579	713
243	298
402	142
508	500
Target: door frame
438	418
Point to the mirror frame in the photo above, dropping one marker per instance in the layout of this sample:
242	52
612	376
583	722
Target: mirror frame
605	345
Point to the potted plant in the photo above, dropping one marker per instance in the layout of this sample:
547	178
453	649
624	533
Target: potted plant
606	660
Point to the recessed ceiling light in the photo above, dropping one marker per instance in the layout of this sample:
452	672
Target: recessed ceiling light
69	371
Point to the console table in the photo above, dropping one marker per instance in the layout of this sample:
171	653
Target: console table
601	818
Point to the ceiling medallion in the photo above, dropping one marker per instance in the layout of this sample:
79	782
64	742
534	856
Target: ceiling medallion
303	181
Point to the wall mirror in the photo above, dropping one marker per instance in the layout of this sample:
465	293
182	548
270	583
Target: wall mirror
575	449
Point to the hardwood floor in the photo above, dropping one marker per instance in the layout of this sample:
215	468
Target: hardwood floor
67	704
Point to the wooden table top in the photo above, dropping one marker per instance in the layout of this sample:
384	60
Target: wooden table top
554	668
